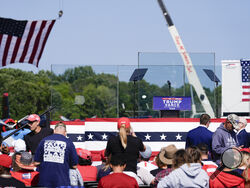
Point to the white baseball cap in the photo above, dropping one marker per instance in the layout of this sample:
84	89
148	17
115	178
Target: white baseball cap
19	145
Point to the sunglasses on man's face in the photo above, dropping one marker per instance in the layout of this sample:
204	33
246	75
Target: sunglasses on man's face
31	122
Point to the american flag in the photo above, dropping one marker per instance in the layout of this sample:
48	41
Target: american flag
245	73
23	41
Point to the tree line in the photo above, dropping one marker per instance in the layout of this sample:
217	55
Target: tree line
105	96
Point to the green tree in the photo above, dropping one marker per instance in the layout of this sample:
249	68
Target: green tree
28	93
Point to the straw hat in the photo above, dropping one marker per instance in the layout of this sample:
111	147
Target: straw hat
167	154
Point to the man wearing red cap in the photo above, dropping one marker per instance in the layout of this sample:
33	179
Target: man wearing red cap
6	180
37	133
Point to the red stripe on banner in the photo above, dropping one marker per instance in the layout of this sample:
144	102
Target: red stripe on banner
82	123
245	100
27	43
146	119
37	41
151	120
44	41
14	54
6	50
246	93
246	87
68	122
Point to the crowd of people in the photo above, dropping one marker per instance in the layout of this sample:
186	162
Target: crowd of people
47	158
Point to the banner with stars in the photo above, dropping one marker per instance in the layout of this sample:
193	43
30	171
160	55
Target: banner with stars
94	133
156	133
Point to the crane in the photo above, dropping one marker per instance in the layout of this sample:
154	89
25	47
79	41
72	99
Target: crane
189	68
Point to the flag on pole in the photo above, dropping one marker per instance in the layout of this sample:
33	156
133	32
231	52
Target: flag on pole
23	41
245	75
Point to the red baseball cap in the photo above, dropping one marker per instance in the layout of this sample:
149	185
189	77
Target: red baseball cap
33	117
245	149
5	160
123	121
83	153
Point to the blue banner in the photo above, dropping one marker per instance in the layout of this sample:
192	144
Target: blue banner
171	103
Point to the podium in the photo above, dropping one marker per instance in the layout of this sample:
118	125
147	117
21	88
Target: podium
170	107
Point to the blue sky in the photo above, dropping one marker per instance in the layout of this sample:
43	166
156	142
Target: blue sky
112	32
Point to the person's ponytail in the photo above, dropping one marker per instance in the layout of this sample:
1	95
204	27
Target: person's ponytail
123	136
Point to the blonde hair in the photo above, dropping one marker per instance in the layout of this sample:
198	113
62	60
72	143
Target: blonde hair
245	158
246	175
123	135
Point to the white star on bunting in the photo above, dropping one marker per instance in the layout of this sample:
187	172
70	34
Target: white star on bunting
79	138
178	137
147	137
90	136
104	136
163	137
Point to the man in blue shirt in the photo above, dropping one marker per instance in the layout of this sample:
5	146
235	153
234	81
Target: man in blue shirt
55	155
201	134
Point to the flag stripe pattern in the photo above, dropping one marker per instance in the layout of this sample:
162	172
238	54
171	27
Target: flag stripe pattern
245	66
93	134
23	41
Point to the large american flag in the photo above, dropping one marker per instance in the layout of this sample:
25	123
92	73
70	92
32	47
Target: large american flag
23	41
245	73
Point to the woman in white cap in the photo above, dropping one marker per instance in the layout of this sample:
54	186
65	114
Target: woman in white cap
125	143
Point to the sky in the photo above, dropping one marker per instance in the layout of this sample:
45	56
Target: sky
112	32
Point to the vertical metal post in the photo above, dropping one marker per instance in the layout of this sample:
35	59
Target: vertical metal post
51	94
217	100
134	99
117	93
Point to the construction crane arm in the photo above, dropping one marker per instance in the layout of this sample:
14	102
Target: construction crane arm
189	68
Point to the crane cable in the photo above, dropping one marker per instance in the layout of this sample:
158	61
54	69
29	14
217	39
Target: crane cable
60	13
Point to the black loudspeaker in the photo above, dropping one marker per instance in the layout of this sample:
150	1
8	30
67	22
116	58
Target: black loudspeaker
5	106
